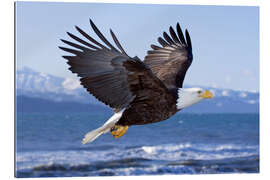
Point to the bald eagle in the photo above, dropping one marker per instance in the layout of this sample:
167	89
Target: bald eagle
139	92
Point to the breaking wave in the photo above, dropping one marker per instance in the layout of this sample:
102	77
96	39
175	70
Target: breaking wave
161	159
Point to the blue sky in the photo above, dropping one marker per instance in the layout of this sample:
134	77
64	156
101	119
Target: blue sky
225	39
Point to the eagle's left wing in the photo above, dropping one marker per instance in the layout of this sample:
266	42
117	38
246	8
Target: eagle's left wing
171	61
110	74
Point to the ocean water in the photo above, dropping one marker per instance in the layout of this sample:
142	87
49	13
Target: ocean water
49	145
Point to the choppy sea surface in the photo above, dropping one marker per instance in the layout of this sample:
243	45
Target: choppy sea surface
49	145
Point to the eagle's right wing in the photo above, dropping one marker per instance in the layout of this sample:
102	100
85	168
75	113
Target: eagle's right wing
109	74
171	61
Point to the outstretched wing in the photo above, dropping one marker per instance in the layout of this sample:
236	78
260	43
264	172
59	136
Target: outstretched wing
108	73
171	61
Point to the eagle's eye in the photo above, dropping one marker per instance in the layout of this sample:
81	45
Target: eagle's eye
199	91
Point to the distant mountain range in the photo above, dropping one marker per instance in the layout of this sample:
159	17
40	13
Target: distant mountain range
30	83
40	92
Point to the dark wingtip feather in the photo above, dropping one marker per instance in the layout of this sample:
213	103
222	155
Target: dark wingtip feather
188	39
80	40
94	27
180	34
155	47
65	41
117	42
173	35
67	57
75	45
73	51
78	29
162	42
90	38
101	36
72	36
63	48
167	38
92	24
60	47
69	34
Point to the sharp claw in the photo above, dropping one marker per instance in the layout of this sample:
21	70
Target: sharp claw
118	131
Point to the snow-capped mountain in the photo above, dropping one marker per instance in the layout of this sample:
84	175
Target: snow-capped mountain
40	85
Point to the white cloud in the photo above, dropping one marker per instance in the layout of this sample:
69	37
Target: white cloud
43	74
71	84
243	94
225	93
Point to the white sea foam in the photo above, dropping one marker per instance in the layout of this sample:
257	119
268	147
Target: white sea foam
197	152
168	152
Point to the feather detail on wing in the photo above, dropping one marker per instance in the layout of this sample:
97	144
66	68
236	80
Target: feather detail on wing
171	61
109	73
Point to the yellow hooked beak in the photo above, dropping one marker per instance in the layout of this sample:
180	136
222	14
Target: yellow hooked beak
207	95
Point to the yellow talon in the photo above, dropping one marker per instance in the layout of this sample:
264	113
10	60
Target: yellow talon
118	131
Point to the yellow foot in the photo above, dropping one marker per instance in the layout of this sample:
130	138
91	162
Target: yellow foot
118	131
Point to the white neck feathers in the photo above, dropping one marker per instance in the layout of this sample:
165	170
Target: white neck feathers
187	97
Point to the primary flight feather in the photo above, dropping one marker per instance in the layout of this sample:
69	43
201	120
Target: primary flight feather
140	92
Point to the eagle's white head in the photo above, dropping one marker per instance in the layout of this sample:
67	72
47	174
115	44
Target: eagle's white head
190	96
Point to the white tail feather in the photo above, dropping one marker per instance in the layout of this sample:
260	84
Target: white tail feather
92	135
